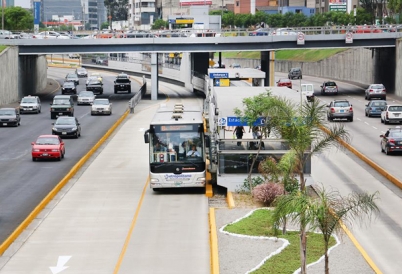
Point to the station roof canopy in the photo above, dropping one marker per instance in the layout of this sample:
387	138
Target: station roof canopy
229	98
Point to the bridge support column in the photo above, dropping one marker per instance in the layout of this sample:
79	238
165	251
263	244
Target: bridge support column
154	76
268	66
185	72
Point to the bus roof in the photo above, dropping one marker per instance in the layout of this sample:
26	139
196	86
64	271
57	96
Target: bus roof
166	115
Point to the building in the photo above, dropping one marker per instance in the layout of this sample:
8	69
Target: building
10	3
61	8
142	13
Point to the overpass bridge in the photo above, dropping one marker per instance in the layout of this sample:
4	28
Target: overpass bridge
200	47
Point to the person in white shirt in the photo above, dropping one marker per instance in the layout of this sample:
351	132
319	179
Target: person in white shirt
193	152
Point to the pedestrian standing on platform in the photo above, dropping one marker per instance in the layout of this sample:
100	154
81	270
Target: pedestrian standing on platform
239	131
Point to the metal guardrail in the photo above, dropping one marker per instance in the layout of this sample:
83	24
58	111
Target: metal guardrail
138	96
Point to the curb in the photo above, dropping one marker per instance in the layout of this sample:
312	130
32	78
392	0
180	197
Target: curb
25	223
213	242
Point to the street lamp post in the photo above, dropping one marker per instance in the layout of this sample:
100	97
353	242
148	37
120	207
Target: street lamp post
2	14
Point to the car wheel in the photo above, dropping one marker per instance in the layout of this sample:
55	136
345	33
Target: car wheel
382	121
382	150
351	119
385	98
386	122
34	159
59	158
369	115
365	113
39	110
52	116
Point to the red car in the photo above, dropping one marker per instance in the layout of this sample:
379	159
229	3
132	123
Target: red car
48	147
367	29
284	83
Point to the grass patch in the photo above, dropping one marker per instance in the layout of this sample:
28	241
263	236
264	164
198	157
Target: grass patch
260	224
301	55
2	48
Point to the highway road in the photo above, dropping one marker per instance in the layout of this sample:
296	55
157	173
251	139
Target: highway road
345	172
25	183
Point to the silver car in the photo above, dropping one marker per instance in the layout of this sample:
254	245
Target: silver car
30	104
85	97
101	106
375	91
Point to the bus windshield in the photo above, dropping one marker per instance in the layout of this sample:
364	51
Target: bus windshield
176	146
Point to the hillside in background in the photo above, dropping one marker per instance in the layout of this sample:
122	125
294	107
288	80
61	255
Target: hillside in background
302	55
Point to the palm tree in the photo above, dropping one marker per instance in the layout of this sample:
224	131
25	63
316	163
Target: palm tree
302	127
326	212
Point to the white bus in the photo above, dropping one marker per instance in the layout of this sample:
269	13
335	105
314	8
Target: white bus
176	147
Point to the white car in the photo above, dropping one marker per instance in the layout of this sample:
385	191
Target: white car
50	35
391	114
284	31
85	97
101	106
5	34
375	91
30	104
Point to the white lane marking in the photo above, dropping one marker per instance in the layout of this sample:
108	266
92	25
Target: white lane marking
60	264
142	129
375	128
358	119
367	123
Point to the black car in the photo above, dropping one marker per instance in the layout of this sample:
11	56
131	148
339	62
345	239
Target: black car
81	72
391	141
66	126
95	86
72	77
9	117
69	88
122	83
62	105
295	73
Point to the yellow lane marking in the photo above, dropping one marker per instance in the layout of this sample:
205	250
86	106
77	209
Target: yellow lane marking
213	242
361	250
130	231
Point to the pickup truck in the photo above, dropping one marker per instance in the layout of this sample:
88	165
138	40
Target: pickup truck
62	105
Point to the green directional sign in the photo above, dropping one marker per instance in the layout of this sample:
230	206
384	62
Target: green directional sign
341	8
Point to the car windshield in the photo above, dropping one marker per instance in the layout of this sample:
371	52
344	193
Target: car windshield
341	104
81	70
330	84
61	102
86	94
101	102
47	141
395	108
377	86
65	121
66	84
71	76
7	112
28	100
379	104
94	82
395	134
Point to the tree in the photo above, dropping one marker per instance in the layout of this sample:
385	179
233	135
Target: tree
159	24
17	18
302	127
327	212
116	10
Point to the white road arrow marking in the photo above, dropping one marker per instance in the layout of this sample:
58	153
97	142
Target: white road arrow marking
60	264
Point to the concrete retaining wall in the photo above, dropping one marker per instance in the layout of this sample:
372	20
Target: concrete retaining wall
9	76
355	65
20	75
398	67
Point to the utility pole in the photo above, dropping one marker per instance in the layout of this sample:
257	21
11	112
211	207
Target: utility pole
3	5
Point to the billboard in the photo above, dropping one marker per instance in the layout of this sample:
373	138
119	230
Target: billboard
195	3
36	6
338	5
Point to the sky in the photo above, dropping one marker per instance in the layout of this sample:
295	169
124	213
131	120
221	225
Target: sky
22	3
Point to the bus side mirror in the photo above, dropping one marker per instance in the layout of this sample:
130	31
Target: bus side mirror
207	141
146	136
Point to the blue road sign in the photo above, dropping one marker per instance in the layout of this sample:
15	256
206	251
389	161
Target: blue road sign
214	75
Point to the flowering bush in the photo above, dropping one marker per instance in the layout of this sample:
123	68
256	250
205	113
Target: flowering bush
267	193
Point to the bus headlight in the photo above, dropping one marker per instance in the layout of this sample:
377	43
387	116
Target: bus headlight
201	179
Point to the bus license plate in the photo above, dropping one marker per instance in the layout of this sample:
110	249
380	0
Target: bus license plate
178	183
